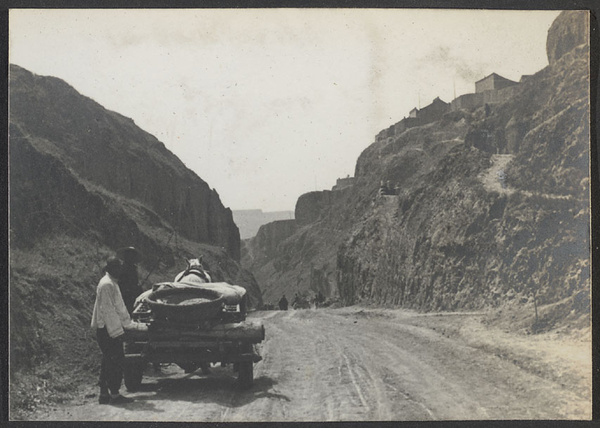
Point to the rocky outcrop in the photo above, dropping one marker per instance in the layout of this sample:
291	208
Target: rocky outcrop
449	244
288	257
569	29
311	206
266	245
270	235
447	240
109	150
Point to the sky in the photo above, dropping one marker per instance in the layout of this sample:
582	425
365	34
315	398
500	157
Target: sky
268	104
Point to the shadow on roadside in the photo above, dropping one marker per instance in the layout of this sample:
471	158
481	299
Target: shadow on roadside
139	405
220	387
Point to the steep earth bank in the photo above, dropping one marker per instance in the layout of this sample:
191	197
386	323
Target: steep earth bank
93	141
448	239
83	182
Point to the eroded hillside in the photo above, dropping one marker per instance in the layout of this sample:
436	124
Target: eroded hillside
108	150
85	181
492	205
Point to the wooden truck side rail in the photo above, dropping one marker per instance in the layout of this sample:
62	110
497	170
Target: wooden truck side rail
168	342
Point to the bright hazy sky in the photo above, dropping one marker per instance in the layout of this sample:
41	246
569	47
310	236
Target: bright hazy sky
268	104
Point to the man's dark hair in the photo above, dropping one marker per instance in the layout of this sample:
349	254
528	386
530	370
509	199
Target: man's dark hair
113	266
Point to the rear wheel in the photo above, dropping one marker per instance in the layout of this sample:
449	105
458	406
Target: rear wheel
188	367
133	367
246	374
132	375
245	369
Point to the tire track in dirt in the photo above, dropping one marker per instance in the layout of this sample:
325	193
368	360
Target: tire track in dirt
345	365
335	383
381	377
361	370
355	383
420	381
458	380
292	362
367	387
269	404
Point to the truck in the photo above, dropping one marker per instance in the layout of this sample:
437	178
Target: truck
192	327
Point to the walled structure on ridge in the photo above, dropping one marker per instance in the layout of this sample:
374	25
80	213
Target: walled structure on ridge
492	89
343	183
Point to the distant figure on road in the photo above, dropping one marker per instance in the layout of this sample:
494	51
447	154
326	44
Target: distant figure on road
319	299
283	303
502	178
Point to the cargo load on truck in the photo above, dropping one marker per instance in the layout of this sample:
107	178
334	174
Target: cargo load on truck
193	323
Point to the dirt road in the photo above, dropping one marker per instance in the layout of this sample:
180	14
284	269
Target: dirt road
357	364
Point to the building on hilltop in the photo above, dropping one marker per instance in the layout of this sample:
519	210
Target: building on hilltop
433	111
416	117
493	82
404	124
501	95
467	102
491	89
343	183
430	113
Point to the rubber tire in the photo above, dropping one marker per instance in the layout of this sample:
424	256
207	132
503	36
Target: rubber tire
132	376
246	374
188	367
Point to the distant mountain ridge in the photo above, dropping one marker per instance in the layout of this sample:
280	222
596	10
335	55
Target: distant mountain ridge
249	221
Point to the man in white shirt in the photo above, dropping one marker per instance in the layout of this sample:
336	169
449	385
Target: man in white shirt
110	319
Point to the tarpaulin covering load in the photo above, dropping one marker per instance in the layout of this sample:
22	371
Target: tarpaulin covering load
185	304
232	294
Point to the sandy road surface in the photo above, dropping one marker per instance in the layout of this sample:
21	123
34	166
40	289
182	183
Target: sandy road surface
359	365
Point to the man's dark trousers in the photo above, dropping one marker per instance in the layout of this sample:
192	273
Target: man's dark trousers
111	370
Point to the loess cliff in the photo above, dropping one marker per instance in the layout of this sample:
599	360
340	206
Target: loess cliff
491	206
110	151
85	181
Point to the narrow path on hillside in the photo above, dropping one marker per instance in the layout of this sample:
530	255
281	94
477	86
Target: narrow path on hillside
494	180
354	365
